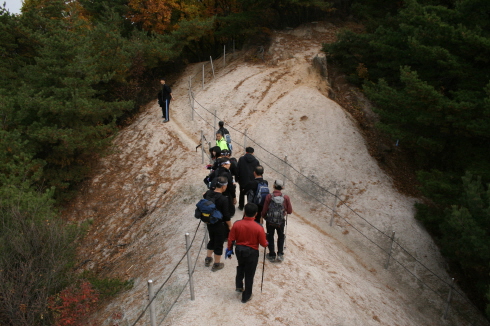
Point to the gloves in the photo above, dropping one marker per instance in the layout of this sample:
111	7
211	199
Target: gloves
229	252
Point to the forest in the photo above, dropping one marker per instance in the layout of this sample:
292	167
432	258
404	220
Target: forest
76	71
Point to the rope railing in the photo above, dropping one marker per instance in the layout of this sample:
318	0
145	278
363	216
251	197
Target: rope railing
342	203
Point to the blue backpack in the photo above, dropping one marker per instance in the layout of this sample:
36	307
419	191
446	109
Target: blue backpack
206	211
258	197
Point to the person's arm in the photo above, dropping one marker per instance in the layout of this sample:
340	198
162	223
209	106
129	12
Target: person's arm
262	239
287	202
231	237
266	205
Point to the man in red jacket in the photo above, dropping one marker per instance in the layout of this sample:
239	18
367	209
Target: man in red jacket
248	235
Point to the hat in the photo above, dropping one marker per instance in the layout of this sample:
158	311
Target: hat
249	150
278	184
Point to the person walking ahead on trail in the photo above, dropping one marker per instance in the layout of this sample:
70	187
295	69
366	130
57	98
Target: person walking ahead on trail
251	189
248	235
245	173
164	98
217	230
220	141
276	207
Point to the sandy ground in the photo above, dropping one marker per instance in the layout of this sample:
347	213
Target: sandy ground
141	201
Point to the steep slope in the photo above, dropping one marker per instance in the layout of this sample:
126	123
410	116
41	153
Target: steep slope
142	198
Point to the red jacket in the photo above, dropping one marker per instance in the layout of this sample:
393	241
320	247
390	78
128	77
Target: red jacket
287	203
248	233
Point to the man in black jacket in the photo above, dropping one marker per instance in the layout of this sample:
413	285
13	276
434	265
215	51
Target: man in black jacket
223	169
251	188
164	98
245	167
217	230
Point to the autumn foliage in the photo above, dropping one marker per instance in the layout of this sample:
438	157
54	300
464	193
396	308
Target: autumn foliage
74	303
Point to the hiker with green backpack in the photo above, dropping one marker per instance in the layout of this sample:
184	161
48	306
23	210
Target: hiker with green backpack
276	208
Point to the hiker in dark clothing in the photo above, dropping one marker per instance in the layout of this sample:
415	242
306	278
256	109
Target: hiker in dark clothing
248	235
222	128
233	161
217	230
164	98
271	228
251	187
224	170
245	167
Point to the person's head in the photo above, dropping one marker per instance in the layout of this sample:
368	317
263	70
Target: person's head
221	124
225	152
162	81
219	135
259	171
215	152
224	162
221	184
249	150
278	185
250	210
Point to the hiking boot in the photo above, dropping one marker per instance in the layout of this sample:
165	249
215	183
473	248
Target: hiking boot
280	258
245	301
239	290
271	258
217	267
208	261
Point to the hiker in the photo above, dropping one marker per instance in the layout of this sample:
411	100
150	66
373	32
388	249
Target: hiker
164	98
251	191
248	235
276	206
230	192
220	141
233	161
245	167
226	135
217	230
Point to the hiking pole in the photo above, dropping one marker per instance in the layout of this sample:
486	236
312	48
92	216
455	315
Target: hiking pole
285	231
263	269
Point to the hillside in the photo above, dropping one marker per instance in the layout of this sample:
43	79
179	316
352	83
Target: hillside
141	200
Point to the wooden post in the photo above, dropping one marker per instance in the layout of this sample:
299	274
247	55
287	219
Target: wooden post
448	299
189	265
212	67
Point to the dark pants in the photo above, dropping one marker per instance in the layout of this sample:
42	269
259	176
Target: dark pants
216	237
259	213
165	108
248	259
241	197
280	239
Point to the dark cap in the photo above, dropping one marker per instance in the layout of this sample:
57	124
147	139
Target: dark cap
249	150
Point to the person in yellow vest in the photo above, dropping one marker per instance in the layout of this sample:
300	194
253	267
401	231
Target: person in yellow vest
220	141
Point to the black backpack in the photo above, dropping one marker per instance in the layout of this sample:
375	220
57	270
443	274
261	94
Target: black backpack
276	213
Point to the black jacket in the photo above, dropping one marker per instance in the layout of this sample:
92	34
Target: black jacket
221	171
245	167
164	94
220	201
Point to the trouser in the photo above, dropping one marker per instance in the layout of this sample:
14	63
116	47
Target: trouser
280	239
165	108
241	197
248	259
216	237
259	213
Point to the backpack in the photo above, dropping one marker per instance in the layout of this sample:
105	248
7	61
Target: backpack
228	141
206	211
276	212
258	197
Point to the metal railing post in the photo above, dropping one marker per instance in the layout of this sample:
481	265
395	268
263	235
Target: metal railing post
334	206
224	56
245	139
212	67
202	147
189	264
202	76
448	299
214	126
153	320
391	249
